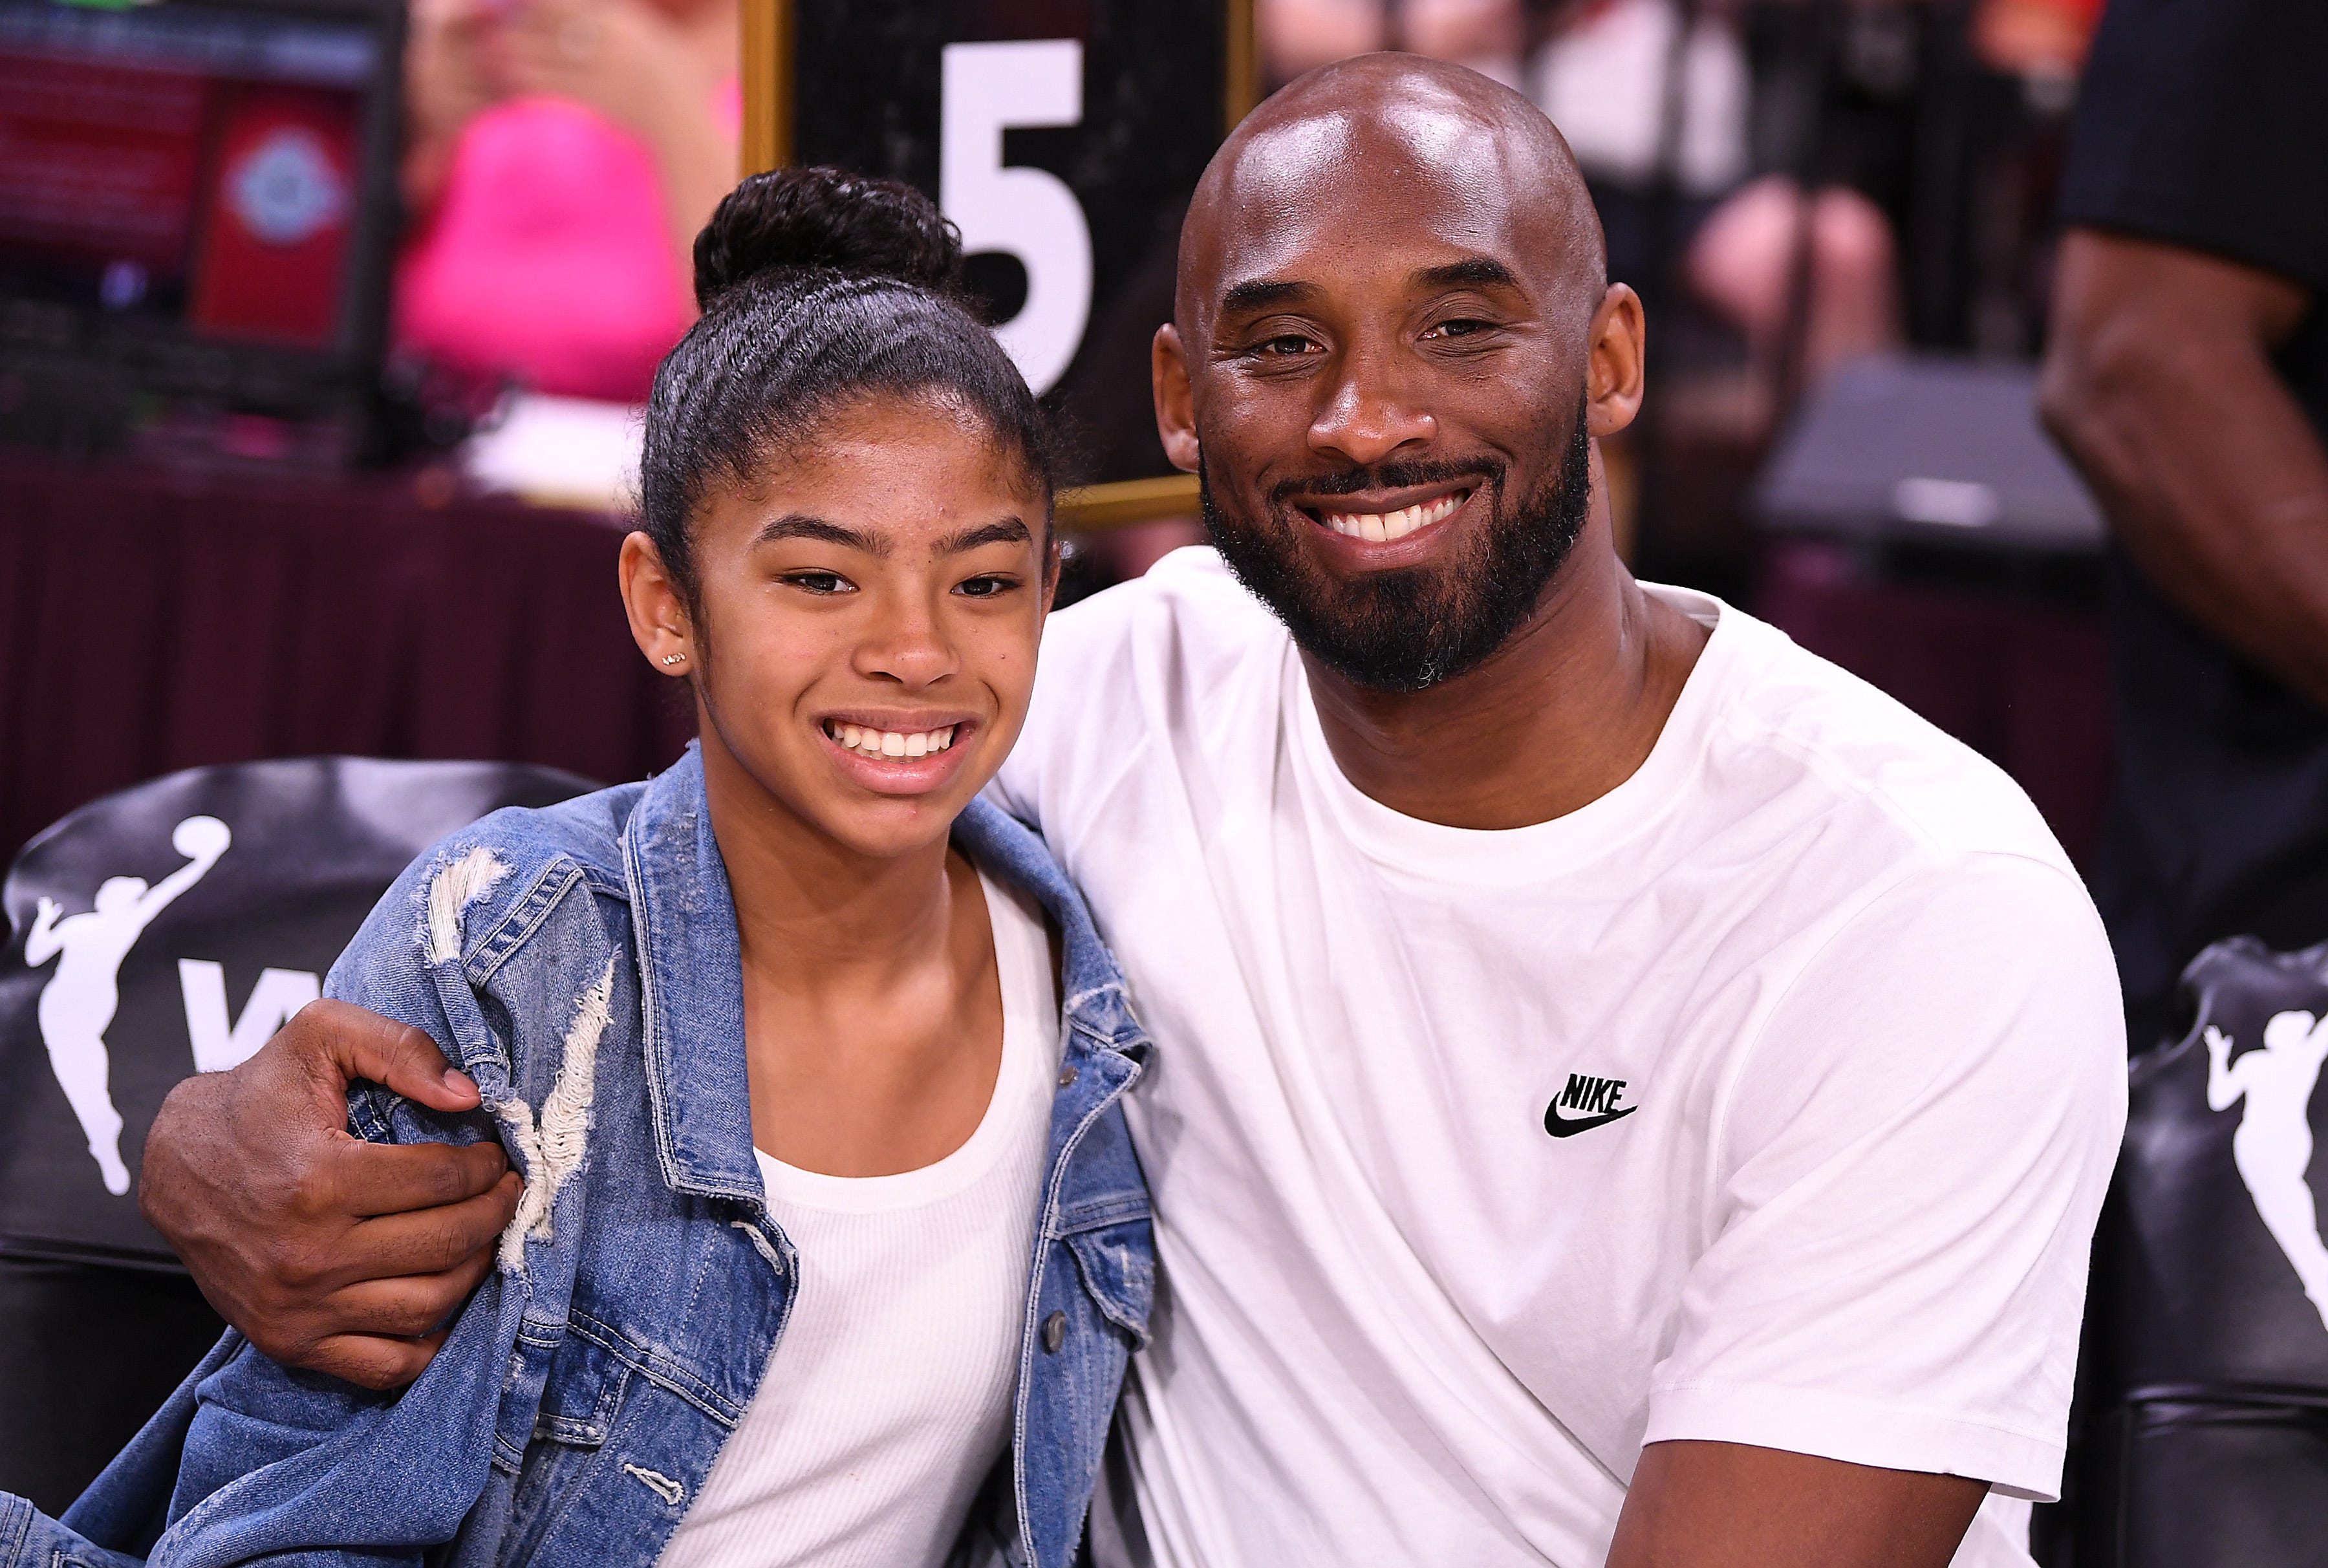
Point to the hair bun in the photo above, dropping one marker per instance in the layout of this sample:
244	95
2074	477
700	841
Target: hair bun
829	220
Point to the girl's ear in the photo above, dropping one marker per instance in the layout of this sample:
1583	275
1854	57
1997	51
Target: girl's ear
657	608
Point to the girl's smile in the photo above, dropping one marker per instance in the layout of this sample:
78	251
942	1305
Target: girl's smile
900	753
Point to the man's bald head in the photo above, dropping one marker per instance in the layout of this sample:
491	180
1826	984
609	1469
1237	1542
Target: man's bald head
1383	129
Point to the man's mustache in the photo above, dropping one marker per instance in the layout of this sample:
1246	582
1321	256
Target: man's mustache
1387	476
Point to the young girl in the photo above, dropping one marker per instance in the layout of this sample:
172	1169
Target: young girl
832	1246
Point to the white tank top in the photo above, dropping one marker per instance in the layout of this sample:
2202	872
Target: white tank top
888	1399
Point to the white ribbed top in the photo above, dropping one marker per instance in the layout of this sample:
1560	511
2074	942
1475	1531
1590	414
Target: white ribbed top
887	1399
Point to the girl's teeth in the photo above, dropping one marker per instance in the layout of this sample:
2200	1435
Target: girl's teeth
890	743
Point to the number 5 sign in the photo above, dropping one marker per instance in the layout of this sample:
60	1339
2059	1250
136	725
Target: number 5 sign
1064	138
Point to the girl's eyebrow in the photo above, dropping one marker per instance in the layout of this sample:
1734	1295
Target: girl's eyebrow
1004	530
797	525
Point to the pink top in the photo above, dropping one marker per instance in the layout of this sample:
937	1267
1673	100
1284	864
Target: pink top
548	257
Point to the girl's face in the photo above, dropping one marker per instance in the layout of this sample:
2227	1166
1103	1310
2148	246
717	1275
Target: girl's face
870	611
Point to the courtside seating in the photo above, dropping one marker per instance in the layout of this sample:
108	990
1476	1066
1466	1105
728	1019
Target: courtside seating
164	930
2206	1440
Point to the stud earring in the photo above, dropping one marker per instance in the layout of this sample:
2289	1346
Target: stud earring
674	657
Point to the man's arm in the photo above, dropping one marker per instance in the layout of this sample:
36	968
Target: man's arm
1907	1164
2158	383
1695	1504
41	943
328	1252
2224	1086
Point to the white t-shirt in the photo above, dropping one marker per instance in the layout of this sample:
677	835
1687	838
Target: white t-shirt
888	1398
1835	1027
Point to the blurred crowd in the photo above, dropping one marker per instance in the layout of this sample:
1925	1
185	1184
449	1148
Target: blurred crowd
562	154
1789	184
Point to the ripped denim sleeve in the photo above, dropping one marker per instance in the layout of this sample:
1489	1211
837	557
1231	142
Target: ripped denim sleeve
281	1462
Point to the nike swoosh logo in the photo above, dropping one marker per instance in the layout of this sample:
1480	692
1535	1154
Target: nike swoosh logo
1560	1126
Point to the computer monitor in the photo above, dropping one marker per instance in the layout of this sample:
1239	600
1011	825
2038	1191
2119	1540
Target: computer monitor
197	203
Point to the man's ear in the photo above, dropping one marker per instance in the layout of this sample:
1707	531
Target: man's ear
1616	367
1175	400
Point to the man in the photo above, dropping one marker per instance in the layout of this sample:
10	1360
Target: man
2187	375
1626	1092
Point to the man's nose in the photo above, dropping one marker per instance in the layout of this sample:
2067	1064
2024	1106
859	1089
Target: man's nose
1369	413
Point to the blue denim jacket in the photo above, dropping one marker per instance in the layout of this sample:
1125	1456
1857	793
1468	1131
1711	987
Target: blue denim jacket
582	964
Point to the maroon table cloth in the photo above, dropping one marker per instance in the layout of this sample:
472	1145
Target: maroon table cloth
152	620
2021	679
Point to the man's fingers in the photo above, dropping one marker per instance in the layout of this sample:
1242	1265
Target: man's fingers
373	1361
429	1240
384	1179
361	1043
408	1307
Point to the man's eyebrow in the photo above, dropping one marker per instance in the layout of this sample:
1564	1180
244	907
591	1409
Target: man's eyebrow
1003	530
796	525
1475	271
1260	293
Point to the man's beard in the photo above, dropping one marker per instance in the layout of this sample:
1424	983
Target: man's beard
1403	629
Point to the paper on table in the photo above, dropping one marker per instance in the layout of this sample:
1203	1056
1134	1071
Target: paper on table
559	452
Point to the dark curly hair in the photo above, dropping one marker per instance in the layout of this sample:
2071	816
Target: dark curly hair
818	288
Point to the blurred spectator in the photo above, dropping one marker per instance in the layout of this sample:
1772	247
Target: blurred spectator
563	155
1660	123
1743	264
2187	375
1301	35
1490	36
2031	38
1640	102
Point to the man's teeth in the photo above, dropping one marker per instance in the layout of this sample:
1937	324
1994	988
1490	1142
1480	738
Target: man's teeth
1382	526
890	742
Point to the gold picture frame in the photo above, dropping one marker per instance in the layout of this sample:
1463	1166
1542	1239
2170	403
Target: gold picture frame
767	143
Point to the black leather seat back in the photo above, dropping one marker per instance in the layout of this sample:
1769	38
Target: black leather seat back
230	921
2206	1442
189	915
2205	1301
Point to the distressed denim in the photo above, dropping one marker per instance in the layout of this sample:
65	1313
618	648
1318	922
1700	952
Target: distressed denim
582	964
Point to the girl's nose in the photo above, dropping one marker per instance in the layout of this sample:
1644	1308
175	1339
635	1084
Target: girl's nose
910	650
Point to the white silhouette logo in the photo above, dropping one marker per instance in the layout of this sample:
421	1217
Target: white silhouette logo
77	1004
2273	1146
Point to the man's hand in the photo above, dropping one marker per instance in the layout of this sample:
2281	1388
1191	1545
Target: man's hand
1725	1504
328	1252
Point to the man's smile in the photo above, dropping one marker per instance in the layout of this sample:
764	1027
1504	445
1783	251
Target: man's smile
1379	527
1386	527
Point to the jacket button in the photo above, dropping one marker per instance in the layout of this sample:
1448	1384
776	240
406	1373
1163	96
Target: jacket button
1054	1333
1066	1077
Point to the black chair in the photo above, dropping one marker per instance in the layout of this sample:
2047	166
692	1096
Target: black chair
2206	1440
164	930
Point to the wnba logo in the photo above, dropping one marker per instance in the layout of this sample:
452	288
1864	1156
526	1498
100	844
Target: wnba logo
78	1003
2272	1149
